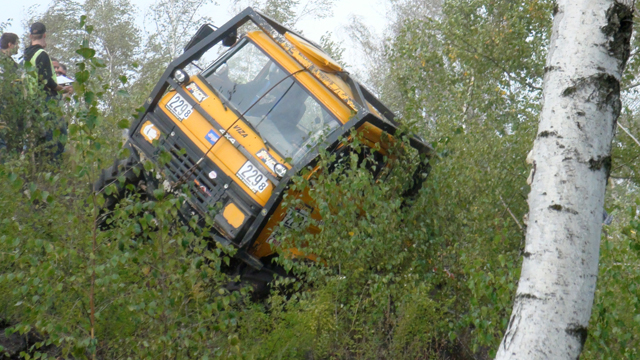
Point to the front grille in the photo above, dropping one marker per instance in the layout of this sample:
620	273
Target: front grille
183	167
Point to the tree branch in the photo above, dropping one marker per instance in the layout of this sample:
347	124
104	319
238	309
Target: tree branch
510	213
628	133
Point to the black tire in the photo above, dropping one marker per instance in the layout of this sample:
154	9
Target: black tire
132	171
260	281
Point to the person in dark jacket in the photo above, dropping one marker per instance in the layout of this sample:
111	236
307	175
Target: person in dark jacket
37	57
9	71
8	47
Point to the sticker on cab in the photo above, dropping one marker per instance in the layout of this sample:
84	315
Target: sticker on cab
271	162
150	132
212	137
197	93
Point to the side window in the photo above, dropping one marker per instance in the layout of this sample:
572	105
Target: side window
315	118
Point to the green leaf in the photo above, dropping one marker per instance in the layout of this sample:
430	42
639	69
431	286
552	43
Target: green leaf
89	97
82	76
98	62
233	340
123	124
125	153
86	53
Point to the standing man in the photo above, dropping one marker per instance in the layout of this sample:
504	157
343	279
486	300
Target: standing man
8	95
8	47
37	57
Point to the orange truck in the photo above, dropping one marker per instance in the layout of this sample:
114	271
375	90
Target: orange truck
239	128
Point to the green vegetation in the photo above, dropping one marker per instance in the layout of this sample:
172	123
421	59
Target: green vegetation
432	278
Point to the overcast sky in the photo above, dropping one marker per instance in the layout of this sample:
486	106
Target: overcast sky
372	11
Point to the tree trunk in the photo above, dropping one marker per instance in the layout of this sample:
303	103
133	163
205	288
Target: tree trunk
571	159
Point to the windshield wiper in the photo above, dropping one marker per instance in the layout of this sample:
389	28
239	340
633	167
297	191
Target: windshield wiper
255	128
276	104
249	124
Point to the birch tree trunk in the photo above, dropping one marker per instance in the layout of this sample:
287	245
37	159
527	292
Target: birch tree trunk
571	159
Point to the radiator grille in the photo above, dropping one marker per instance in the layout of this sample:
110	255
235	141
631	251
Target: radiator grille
206	191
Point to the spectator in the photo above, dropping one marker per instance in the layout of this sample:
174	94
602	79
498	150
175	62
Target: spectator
56	66
8	75
59	68
37	57
8	47
61	73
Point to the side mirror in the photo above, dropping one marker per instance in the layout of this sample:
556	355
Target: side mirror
204	31
231	39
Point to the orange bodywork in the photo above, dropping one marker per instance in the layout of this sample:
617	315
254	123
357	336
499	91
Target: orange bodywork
335	95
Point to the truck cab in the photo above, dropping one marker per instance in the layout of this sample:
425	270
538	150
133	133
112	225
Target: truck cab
238	129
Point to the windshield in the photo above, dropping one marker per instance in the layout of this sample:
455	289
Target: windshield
285	115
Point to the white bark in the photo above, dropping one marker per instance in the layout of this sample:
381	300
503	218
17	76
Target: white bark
571	159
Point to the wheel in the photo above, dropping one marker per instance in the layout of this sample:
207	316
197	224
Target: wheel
132	171
260	281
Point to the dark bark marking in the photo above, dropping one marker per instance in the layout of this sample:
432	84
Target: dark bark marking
599	163
558	207
609	91
569	91
577	331
546	133
556	9
580	113
512	328
550	68
527	296
526	254
618	28
601	89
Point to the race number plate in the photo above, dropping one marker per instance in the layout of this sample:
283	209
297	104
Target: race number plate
179	107
252	177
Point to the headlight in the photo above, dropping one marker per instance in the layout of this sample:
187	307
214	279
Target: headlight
280	169
230	220
233	215
180	76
